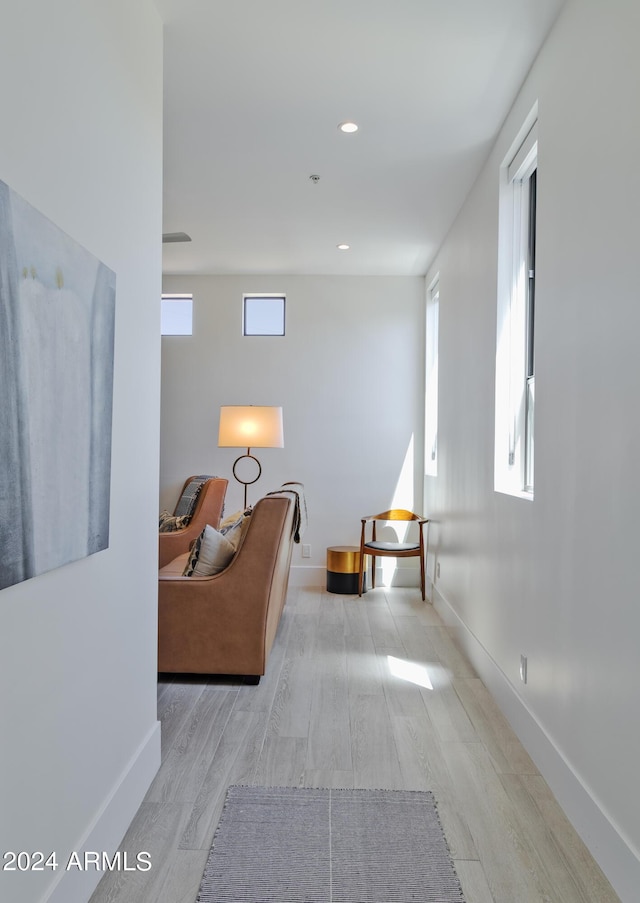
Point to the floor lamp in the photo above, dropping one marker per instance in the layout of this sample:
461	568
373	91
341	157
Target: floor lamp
250	426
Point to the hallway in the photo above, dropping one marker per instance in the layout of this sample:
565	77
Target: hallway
368	693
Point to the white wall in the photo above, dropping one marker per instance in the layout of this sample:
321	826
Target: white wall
81	100
556	578
349	375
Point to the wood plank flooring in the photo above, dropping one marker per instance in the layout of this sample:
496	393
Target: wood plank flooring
368	692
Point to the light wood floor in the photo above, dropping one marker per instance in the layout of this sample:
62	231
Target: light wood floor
330	712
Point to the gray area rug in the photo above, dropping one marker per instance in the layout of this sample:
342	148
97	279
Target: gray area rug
299	845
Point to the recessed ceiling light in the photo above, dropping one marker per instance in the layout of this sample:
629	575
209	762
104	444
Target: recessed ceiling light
348	127
343	247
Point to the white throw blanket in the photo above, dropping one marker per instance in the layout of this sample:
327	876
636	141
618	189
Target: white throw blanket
300	517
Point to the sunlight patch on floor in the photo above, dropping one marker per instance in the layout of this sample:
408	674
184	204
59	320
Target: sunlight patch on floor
409	671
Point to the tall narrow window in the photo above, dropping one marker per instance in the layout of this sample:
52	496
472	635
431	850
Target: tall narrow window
515	348
431	380
530	374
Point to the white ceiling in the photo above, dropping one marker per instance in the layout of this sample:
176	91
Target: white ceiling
254	93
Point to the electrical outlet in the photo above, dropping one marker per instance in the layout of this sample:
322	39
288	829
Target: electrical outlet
306	550
438	570
523	668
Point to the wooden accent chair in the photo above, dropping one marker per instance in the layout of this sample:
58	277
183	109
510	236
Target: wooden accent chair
383	549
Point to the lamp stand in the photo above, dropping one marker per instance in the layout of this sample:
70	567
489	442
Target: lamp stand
246	482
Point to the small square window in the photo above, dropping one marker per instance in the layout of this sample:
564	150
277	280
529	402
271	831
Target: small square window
176	315
263	315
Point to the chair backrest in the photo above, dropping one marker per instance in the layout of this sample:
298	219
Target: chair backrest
396	514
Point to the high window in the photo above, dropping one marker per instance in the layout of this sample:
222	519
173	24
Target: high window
515	348
263	314
431	380
176	315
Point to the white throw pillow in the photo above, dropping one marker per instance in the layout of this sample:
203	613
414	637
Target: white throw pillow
214	555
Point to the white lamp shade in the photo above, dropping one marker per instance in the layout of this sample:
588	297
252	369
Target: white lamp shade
250	426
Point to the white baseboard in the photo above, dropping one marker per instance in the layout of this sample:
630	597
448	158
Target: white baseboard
110	822
308	577
606	844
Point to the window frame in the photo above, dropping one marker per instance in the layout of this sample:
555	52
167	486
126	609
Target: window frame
264	296
530	304
515	343
432	327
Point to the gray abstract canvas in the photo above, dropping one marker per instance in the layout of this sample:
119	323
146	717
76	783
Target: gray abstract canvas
57	317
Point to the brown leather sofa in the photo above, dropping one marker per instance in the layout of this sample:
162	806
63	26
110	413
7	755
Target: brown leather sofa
207	510
226	623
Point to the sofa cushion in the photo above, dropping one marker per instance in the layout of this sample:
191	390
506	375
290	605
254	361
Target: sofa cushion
175	567
211	553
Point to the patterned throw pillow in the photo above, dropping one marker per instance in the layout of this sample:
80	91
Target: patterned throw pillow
210	553
169	523
235	526
231	519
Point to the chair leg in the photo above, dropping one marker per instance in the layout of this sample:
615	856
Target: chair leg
373	572
361	561
422	576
